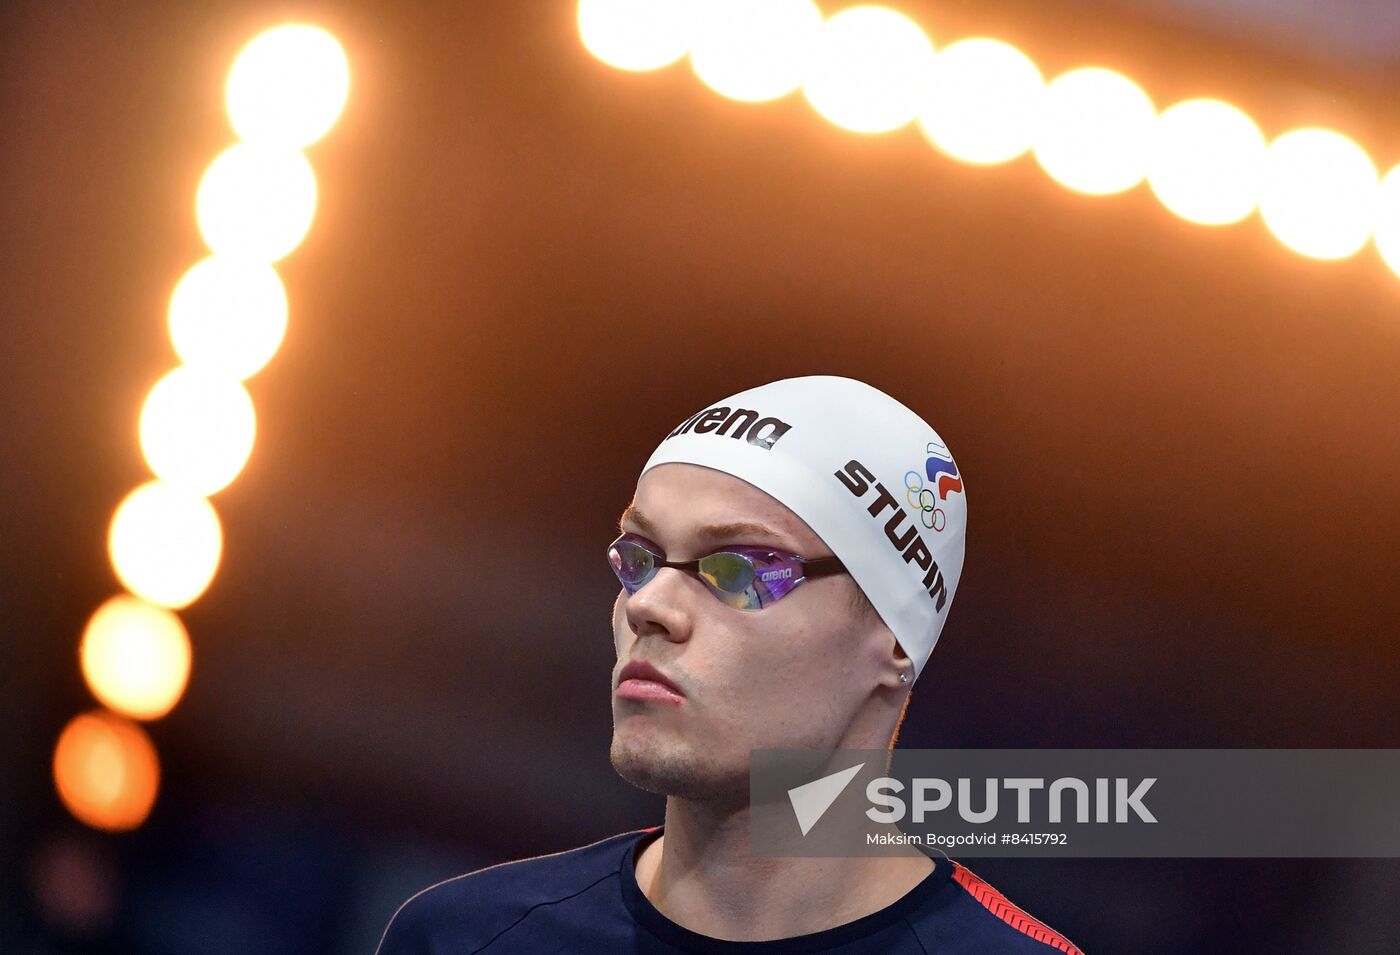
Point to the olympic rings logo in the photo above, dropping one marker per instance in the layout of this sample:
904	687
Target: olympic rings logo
924	500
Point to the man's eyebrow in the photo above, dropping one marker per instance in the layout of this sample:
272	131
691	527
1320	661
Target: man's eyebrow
736	530
636	517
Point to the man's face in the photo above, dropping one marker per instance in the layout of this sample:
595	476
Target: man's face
792	675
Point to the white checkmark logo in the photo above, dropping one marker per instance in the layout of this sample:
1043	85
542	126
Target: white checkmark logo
810	801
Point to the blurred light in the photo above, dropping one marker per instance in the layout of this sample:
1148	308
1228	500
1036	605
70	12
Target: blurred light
983	101
228	316
106	771
636	34
197	430
753	50
1207	160
76	884
1319	194
1095	131
1388	220
288	86
136	657
256	202
165	544
869	69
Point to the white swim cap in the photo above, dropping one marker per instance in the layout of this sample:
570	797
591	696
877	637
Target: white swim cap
868	475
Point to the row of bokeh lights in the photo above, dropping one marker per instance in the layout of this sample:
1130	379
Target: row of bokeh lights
871	69
227	318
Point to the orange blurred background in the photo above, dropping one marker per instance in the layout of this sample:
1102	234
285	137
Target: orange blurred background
525	267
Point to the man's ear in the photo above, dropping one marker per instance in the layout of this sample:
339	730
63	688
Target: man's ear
898	669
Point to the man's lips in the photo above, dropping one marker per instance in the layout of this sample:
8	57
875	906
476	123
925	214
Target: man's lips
640	680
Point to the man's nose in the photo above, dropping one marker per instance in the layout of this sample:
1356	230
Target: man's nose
664	606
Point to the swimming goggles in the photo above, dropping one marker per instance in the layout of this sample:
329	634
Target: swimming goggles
745	578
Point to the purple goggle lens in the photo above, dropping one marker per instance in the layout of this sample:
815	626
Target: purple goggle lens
745	578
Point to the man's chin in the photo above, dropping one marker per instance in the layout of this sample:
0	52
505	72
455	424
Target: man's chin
649	764
670	768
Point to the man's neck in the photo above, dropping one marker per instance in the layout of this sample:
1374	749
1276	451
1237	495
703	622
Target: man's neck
700	875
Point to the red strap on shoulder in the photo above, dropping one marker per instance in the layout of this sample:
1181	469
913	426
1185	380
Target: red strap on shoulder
1002	908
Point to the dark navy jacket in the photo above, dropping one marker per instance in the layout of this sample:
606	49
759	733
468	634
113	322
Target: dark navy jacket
587	900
